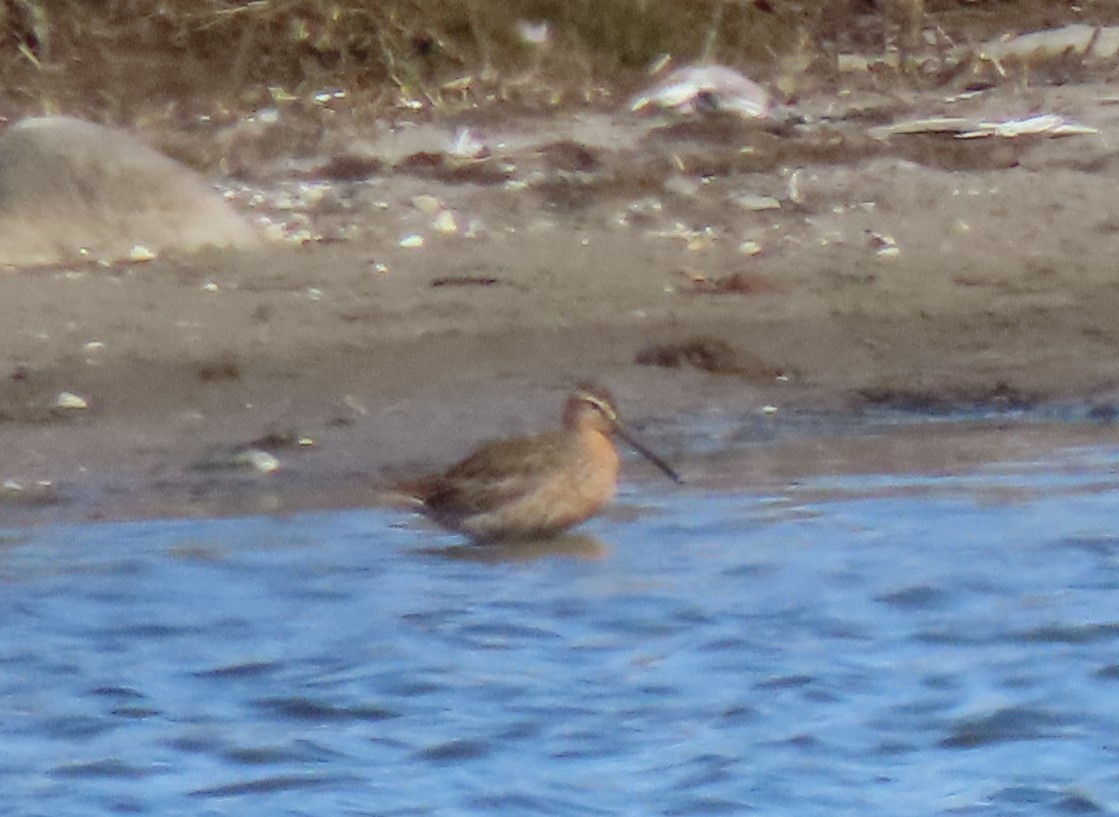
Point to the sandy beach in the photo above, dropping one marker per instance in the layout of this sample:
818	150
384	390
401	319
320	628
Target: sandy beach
700	269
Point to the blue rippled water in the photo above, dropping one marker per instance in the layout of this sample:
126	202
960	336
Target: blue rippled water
875	645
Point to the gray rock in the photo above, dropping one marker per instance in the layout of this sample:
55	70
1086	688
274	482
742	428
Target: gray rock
72	191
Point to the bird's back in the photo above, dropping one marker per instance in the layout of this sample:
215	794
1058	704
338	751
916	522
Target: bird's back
523	487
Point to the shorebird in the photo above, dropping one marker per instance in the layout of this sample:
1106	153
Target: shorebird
534	487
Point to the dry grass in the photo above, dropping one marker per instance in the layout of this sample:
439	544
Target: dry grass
121	59
114	55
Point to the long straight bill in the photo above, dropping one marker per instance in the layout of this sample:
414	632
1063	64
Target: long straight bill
644	451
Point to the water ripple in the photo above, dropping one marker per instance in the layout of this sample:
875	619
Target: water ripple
1012	723
270	785
305	709
1072	633
852	645
454	751
103	768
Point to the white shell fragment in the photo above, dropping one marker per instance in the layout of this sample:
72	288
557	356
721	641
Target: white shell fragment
255	459
695	88
68	401
885	246
428	205
793	191
1042	125
1047	124
445	223
467	144
694	240
17	492
755	203
1100	42
932	124
139	253
412	241
702	240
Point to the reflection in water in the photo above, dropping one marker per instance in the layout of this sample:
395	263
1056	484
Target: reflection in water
861	645
575	546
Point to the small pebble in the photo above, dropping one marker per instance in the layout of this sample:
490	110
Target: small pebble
428	205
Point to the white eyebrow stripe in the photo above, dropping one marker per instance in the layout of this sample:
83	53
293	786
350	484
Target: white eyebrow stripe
602	405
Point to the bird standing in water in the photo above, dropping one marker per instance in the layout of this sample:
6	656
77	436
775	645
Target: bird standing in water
533	487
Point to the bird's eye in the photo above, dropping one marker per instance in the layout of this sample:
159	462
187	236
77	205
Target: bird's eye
605	408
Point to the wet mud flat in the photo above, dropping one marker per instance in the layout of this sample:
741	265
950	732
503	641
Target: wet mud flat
831	261
346	358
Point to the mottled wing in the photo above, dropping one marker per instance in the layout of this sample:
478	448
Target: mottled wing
497	474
